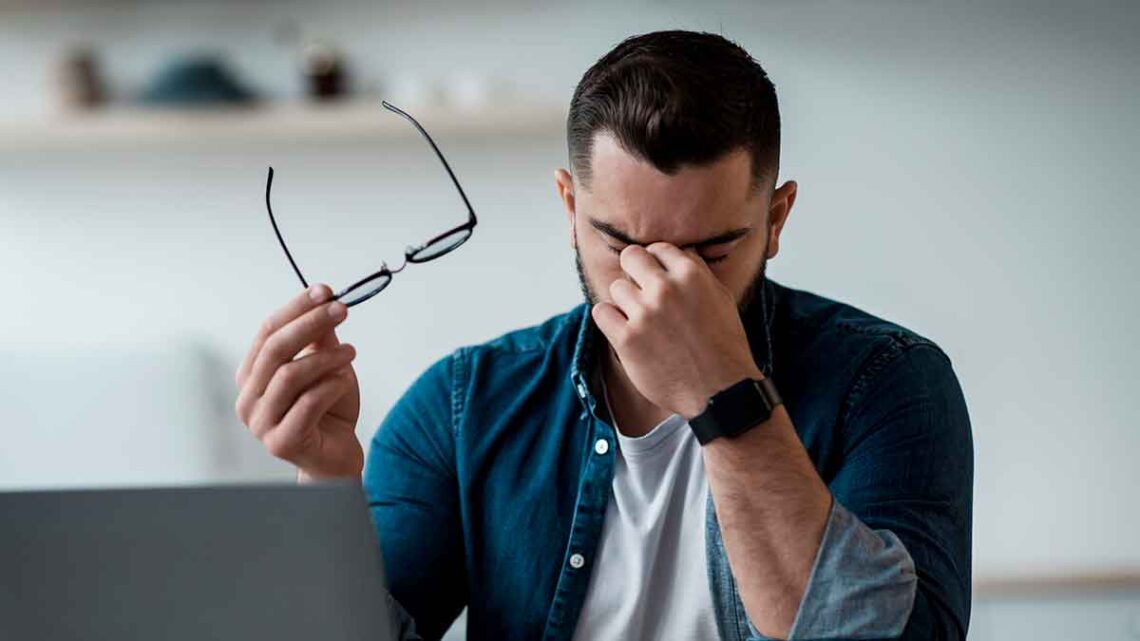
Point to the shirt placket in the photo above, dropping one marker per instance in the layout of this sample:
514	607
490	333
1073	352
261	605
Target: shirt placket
589	516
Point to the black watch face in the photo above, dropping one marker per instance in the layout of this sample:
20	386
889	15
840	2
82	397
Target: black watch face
736	410
750	408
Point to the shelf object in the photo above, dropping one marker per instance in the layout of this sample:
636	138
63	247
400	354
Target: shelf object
339	122
1045	585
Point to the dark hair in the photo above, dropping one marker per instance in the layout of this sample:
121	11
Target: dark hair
676	98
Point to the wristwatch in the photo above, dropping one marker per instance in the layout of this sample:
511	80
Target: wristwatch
736	410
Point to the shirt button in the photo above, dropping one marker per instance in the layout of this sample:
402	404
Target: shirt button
601	446
577	561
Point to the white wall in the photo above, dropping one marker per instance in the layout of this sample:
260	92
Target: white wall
966	170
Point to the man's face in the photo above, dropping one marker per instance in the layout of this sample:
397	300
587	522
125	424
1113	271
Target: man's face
714	211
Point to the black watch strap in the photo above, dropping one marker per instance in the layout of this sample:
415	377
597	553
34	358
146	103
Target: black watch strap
736	410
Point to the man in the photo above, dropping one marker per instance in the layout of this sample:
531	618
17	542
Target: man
696	453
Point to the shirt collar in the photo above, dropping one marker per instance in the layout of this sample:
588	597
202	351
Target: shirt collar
584	356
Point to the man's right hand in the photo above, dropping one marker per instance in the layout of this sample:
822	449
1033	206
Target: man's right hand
298	392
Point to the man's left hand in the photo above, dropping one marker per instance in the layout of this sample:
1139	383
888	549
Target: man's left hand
676	328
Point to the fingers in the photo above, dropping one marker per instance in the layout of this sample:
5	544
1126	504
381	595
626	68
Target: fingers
627	298
653	267
326	341
673	259
300	304
656	273
610	321
283	345
292	380
294	435
641	266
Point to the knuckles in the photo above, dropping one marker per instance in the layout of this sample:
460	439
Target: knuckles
687	272
306	405
274	347
659	293
258	425
282	447
266	329
241	410
291	374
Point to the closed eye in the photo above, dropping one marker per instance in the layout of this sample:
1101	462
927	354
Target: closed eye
709	260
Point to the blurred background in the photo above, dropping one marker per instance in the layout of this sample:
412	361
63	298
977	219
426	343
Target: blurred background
966	169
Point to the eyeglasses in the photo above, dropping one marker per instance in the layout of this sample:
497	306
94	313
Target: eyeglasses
442	244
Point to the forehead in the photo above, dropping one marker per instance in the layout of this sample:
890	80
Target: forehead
627	191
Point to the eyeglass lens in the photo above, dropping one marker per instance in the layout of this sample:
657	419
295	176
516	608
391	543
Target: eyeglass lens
440	246
365	289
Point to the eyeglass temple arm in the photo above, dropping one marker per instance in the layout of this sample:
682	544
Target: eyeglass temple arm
280	239
439	154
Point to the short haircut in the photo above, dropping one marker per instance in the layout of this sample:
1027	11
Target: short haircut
676	98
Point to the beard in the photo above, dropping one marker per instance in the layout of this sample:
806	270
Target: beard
743	305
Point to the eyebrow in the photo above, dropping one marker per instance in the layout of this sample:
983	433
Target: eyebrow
622	237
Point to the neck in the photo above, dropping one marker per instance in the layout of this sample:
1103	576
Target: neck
632	414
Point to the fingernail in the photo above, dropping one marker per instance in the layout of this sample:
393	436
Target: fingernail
318	293
337	310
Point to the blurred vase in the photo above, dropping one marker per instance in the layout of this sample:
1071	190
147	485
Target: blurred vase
81	87
325	74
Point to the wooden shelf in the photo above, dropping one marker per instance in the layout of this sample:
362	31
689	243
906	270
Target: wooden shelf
1030	586
352	121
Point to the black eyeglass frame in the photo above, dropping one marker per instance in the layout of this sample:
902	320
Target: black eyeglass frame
412	254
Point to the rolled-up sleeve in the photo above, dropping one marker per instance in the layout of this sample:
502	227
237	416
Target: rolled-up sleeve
894	561
862	583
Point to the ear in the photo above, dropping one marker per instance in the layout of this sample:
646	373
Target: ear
564	183
783	197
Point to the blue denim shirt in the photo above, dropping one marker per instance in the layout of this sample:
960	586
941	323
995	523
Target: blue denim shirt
487	490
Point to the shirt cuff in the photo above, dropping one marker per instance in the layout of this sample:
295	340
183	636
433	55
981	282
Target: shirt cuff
862	584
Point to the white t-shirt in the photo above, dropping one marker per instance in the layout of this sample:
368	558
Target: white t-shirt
650	577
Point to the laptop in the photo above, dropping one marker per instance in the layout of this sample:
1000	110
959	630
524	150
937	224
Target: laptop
278	562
